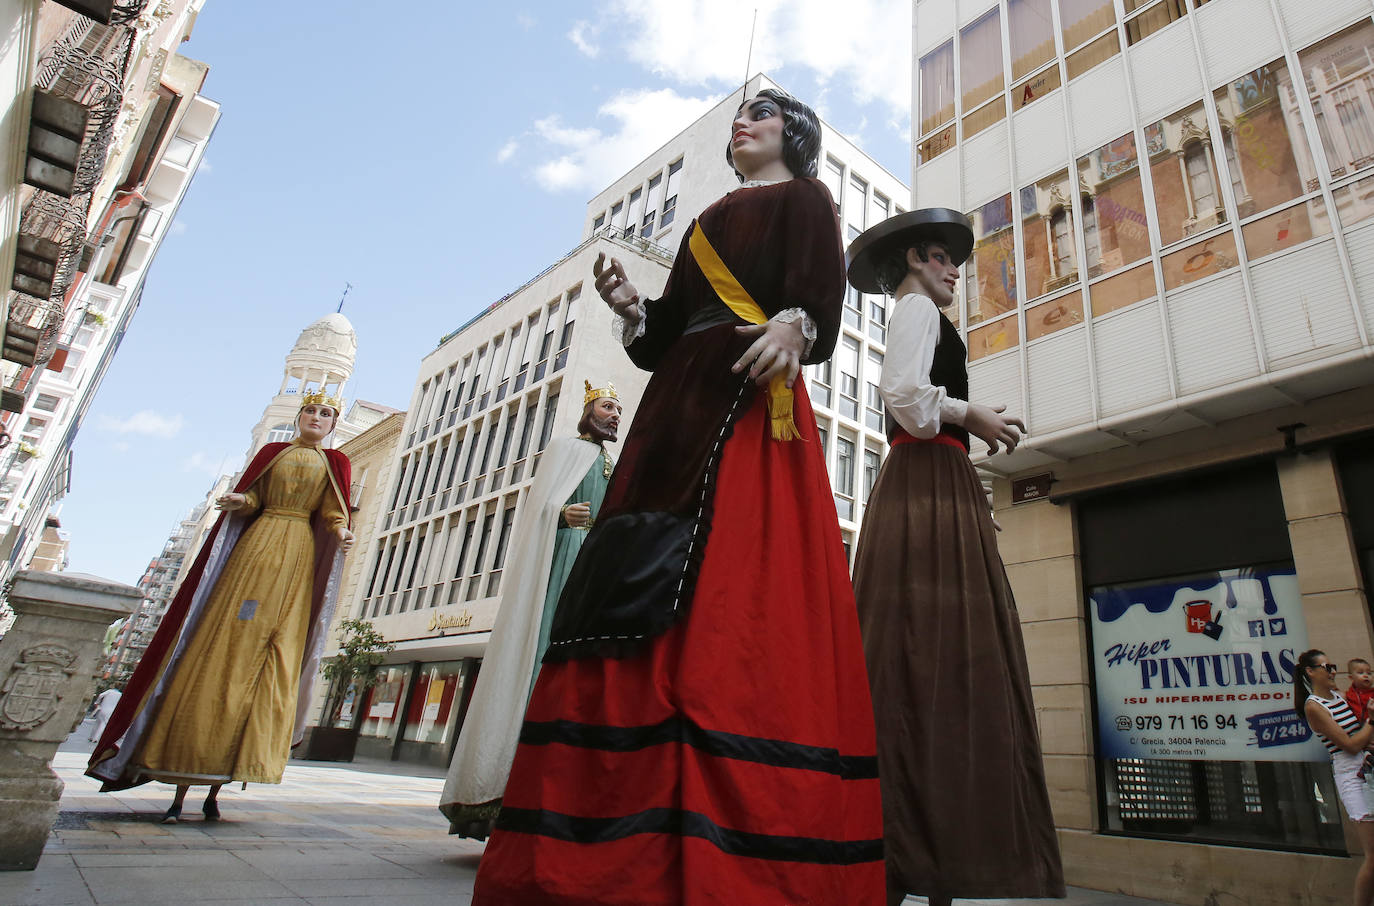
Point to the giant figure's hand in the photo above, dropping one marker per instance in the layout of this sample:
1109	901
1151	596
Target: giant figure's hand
615	288
989	425
231	502
345	538
578	515
777	349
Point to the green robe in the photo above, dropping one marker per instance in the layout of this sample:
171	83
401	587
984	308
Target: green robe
566	544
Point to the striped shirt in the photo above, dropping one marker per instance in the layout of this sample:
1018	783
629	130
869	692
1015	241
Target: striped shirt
1341	714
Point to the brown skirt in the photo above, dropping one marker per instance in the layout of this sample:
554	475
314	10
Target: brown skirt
965	809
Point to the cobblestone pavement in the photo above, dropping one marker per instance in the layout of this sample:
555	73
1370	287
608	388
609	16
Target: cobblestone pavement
328	834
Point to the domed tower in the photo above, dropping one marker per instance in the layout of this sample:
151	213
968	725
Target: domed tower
322	357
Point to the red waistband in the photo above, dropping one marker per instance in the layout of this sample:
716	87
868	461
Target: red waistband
948	440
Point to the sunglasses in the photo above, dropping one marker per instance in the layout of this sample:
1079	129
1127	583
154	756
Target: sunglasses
1329	668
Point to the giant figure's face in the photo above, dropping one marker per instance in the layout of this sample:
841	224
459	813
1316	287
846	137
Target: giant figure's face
756	135
603	422
937	275
316	422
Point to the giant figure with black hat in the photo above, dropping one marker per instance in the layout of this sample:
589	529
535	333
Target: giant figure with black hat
965	809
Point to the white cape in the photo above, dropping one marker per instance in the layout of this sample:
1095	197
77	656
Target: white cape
491	730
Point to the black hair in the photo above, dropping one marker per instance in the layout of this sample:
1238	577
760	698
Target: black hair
890	267
1302	687
801	135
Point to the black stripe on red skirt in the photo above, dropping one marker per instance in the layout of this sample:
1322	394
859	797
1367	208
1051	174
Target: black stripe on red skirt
771	752
682	823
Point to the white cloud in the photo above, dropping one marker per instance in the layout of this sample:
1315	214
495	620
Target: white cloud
583	35
178	228
200	461
507	151
204	166
121	446
589	159
145	422
525	20
864	44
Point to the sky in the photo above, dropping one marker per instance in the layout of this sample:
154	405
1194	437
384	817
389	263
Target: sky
436	160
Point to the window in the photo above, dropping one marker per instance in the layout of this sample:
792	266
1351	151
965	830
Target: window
1089	56
1184	174
824	434
491	442
526	431
820	383
1114	224
937	87
474	583
832	174
463	551
46	402
280	433
550	408
565	340
873	415
1084	19
854	304
439	469
1047	229
499	561
849	377
878	207
854	206
1152	19
599	222
431	717
990	273
506	438
670	193
618	218
844	477
980	71
179	151
872	465
1032	35
1340	81
636	213
877	317
646	228
472	452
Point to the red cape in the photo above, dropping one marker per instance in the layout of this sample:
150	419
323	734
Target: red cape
169	630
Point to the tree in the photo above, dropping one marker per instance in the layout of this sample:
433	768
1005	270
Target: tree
361	650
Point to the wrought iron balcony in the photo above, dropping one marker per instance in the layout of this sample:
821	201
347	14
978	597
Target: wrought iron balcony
107	12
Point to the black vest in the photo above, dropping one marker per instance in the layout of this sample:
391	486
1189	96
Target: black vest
948	369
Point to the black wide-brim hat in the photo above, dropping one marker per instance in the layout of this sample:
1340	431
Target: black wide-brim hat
943	225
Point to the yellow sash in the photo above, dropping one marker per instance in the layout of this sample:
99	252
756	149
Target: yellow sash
741	303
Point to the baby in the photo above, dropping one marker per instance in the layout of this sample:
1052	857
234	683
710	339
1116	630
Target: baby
1358	696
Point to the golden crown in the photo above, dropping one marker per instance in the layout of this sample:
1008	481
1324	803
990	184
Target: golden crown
320	398
596	393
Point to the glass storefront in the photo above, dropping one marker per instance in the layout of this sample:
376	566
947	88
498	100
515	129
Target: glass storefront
415	711
1195	622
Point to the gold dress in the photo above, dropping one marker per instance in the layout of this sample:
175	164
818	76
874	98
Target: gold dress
230	710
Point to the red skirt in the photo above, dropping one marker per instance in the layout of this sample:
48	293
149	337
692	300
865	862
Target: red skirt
733	760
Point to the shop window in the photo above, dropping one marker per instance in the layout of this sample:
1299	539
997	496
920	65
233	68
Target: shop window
432	715
1047	230
1355	201
1095	53
1203	259
937	87
1194	627
1054	315
1032	35
980	72
1084	19
990	339
1284	229
1340	82
383	707
1153	18
990	273
1122	289
1184	172
930	148
1356	466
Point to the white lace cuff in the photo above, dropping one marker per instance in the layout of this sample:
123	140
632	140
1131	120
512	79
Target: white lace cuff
626	330
788	315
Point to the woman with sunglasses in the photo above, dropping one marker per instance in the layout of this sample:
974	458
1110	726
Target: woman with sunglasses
1316	700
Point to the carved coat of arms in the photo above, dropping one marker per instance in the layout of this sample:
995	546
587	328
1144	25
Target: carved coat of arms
34	687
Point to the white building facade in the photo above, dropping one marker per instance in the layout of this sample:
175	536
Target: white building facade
58	349
1173	281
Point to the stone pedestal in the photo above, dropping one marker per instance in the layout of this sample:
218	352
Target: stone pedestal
48	661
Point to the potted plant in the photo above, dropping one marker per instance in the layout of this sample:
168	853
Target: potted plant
28	451
97	318
350	673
